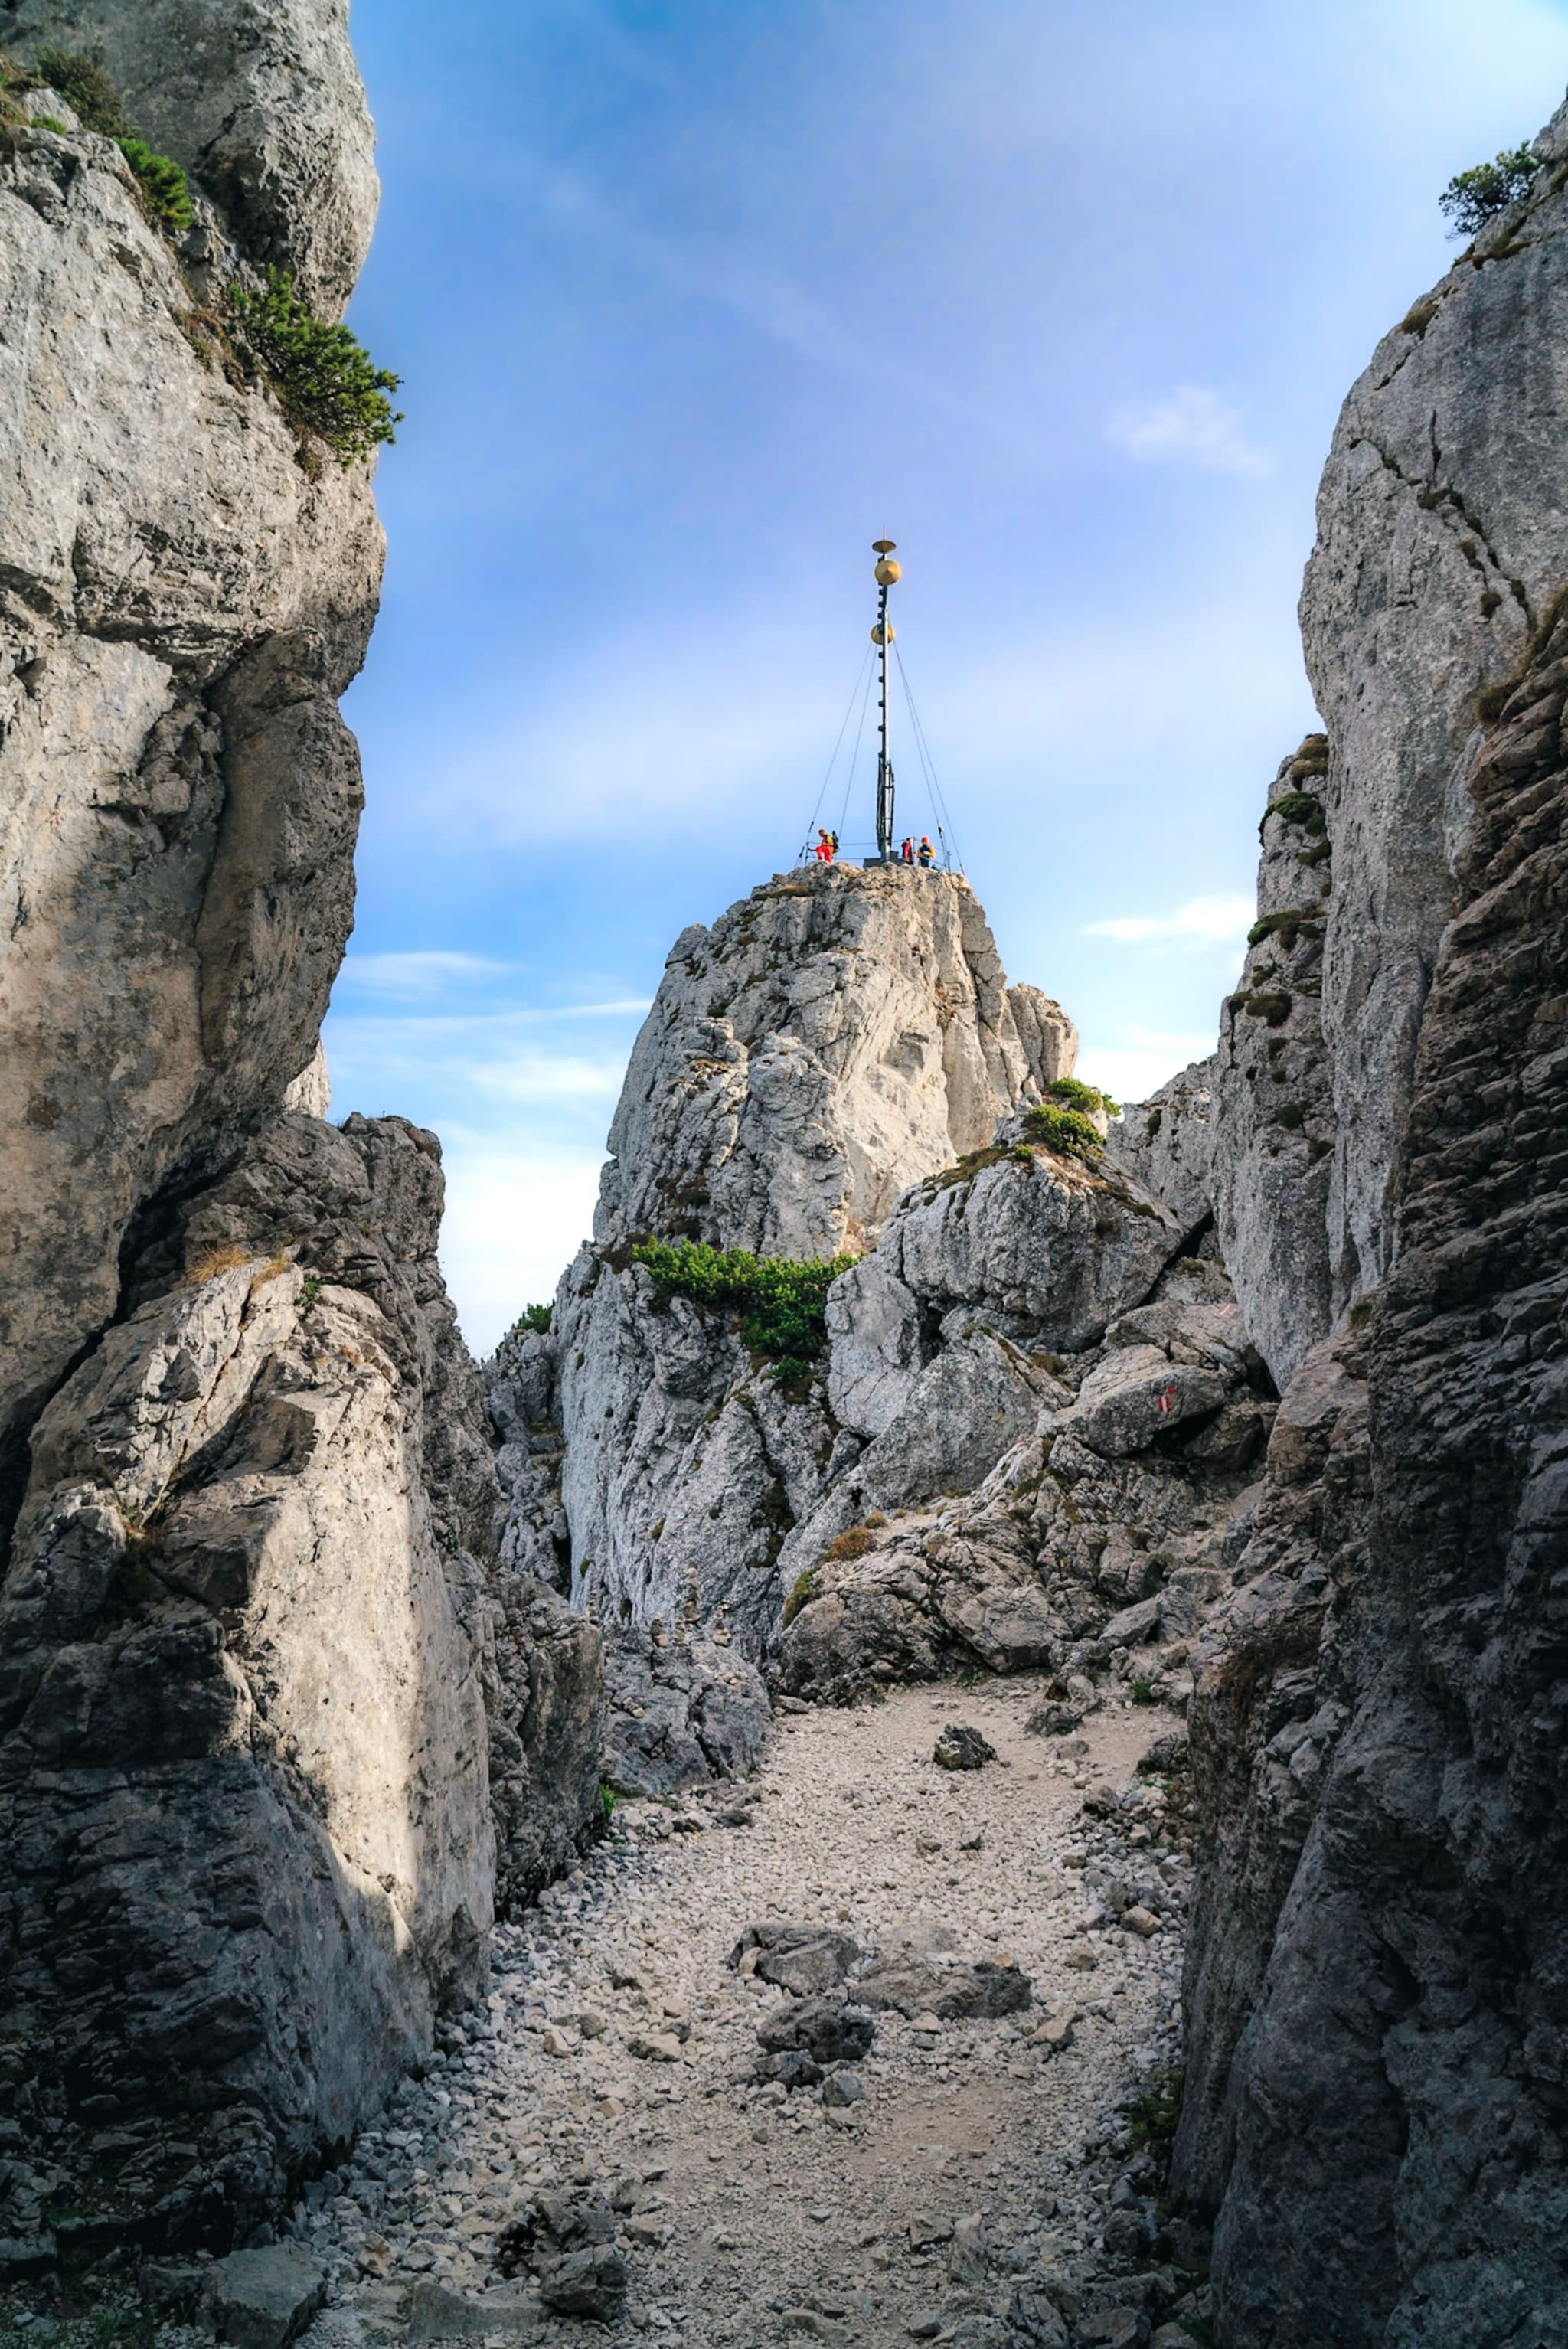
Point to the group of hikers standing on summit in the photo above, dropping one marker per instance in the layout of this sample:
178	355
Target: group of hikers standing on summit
827	848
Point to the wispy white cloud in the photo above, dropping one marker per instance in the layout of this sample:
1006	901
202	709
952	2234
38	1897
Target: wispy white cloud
549	1076
411	976
1141	1061
514	1220
1201	922
1192	427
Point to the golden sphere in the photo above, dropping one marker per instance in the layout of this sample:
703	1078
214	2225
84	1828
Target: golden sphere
887	572
877	634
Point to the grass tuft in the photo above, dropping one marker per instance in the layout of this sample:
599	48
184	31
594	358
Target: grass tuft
802	1590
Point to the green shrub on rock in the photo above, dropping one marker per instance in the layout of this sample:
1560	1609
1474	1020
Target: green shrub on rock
780	1299
86	89
165	190
1067	1131
1072	1093
1474	197
324	379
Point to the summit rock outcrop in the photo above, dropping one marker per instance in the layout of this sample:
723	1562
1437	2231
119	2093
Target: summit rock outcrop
839	1034
835	1036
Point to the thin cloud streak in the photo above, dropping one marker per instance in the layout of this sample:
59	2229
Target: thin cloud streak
1192	427
1201	922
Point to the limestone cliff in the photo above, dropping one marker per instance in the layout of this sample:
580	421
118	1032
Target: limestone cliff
1374	2109
838	1035
274	1727
181	604
835	1036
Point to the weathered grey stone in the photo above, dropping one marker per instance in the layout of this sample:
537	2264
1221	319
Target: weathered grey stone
825	2027
834	1037
1373	2106
680	1454
980	1992
1047	1249
546	1701
260	99
181	604
1272	1121
679	1715
1112	1494
263	2299
432	2312
1439	549
242	1647
1166	1144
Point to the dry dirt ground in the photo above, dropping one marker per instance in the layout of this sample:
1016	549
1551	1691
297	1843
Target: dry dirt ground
980	2154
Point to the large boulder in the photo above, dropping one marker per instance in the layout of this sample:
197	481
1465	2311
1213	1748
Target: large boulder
245	1844
679	1713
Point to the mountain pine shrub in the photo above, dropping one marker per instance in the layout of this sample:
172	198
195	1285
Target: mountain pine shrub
782	1301
1474	197
325	380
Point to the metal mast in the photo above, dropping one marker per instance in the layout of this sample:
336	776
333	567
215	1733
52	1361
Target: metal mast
887	572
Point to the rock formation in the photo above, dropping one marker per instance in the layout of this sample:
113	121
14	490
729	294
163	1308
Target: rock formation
1374	2108
181	604
838	1035
1073	1517
260	1674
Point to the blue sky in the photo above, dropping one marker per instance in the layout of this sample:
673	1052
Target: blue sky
691	303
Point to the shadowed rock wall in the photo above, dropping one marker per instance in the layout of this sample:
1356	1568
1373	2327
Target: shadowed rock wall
1375	2104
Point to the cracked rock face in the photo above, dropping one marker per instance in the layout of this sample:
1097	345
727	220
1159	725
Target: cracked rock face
244	1642
1439	550
179	608
1097	1527
681	1457
834	1037
260	102
680	1712
1373	1981
261	1679
1044	1248
1374	2109
1272	1126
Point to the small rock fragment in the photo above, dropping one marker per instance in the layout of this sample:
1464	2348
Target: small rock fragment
962	1748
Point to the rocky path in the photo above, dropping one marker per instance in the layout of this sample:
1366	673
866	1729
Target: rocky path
614	2062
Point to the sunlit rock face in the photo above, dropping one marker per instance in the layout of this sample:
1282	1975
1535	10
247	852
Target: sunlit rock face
835	1036
276	1728
181	604
839	1034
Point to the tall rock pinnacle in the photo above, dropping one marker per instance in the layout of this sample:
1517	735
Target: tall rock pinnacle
836	1036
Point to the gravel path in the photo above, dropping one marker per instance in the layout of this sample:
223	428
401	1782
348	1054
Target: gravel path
981	2152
